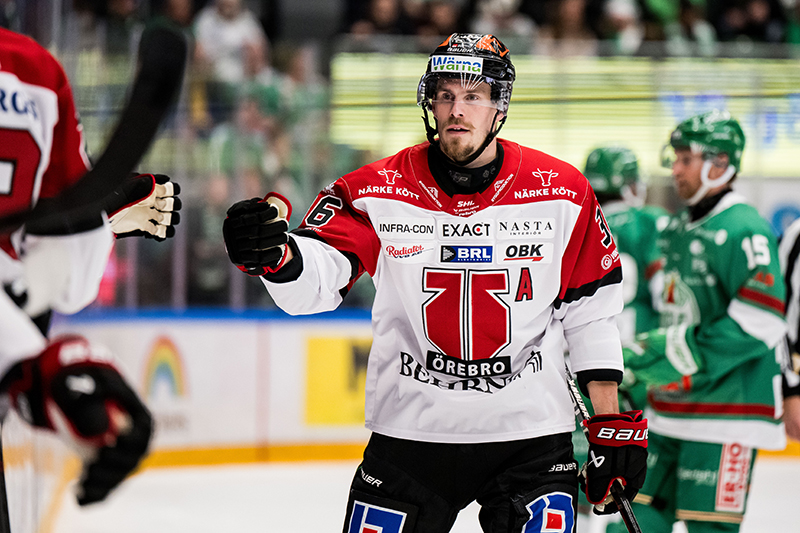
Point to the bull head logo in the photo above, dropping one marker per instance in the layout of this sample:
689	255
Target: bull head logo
390	175
545	176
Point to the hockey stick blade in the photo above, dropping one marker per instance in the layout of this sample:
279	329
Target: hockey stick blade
582	414
162	59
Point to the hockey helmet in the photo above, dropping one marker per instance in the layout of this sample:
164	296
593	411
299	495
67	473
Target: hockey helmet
710	134
611	168
471	58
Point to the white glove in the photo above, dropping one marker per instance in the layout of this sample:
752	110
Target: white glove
147	206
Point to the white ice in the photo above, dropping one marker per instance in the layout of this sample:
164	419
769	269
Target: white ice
310	498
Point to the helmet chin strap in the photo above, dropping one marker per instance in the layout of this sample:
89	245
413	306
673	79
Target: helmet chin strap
431	133
706	184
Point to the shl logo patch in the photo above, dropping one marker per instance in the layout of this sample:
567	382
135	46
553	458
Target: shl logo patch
368	518
551	513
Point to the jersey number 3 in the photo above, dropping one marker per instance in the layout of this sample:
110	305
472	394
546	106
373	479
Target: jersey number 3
465	317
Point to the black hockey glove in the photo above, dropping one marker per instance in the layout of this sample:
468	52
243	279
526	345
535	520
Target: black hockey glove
255	234
617	451
146	205
72	390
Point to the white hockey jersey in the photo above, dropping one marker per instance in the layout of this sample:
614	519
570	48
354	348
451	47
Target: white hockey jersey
475	294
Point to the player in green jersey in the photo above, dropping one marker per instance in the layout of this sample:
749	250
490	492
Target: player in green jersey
613	172
714	381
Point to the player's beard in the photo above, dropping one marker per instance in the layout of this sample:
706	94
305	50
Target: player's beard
459	148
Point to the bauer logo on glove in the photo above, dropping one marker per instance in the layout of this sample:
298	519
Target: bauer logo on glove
617	454
146	205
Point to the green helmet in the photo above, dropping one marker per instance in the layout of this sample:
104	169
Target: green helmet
610	168
711	134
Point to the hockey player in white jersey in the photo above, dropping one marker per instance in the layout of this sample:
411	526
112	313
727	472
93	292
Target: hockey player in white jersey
64	385
486	255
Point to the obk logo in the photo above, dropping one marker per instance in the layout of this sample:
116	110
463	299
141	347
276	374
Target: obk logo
529	252
390	175
545	176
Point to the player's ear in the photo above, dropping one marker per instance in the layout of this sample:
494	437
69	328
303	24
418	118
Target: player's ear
498	121
721	161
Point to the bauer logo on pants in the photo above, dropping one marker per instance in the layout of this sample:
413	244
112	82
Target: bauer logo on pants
551	513
367	518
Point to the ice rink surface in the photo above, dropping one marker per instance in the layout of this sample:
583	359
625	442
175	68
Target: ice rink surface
310	498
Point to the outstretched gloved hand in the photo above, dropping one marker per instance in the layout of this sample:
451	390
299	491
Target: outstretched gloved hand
255	233
73	390
146	205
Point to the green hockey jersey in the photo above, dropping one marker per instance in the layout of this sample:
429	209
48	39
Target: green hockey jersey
635	230
712	367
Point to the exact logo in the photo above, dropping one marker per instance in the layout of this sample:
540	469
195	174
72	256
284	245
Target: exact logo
466	254
455	230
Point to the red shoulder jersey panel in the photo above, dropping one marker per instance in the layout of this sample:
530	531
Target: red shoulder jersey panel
40	132
526	177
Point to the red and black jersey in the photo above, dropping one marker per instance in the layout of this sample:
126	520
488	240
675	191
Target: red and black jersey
41	138
475	293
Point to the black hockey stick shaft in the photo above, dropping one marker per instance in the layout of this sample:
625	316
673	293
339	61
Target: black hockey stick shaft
162	58
582	414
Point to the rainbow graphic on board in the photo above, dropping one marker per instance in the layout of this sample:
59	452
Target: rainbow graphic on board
164	364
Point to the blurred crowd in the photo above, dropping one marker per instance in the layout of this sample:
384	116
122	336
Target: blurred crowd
578	26
257	100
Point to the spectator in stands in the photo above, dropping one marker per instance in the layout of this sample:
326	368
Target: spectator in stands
383	17
178	11
623	25
793	22
306	97
443	18
225	33
682	24
567	31
503	19
751	20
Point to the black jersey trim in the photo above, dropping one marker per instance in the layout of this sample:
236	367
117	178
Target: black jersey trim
597	374
291	270
311	234
589	289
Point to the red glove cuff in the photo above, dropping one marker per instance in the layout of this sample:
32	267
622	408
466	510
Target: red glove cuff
624	429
